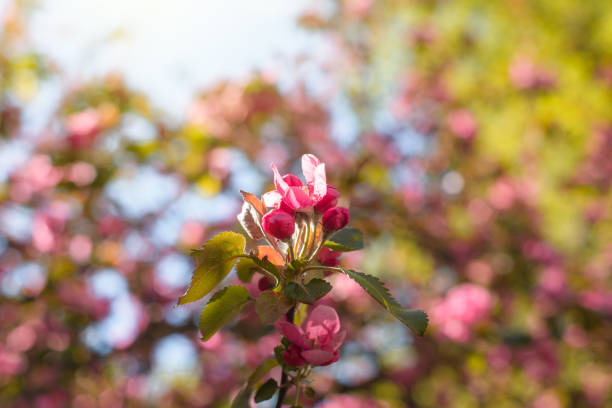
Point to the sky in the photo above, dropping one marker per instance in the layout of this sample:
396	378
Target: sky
169	50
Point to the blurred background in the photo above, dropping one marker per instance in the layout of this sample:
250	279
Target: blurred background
471	139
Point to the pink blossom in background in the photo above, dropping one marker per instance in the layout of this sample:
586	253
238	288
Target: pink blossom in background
347	401
220	162
539	360
21	338
463	307
525	75
38	175
80	248
462	124
358	8
597	300
502	194
192	234
81	174
83	127
318	342
11	363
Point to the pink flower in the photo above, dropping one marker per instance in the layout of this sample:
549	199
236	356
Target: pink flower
291	194
83	127
329	200
462	124
327	257
335	218
279	224
318	343
464	306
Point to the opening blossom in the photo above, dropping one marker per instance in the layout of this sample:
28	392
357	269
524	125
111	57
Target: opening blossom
292	195
318	342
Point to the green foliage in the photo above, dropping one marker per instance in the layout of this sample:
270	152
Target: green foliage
267	266
242	399
345	240
222	307
245	269
271	306
266	391
214	261
308	293
415	320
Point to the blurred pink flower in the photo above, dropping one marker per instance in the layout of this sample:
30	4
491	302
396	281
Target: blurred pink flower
462	124
81	173
80	248
525	75
347	401
11	363
358	8
463	307
83	127
38	175
192	234
318	343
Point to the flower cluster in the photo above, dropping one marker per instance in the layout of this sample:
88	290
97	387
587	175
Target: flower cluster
293	206
304	231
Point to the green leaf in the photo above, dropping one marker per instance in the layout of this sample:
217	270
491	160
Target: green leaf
345	240
270	307
221	308
308	293
213	262
266	391
245	269
263	369
242	399
268	266
416	320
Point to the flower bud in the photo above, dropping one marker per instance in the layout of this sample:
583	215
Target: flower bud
327	257
335	218
264	284
279	224
329	200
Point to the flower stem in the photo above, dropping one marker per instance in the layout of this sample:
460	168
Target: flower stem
283	381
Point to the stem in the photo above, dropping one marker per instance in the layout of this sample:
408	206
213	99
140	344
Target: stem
283	381
322	268
305	247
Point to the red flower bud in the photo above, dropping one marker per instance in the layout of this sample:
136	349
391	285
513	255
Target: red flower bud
335	218
279	224
327	257
329	200
264	283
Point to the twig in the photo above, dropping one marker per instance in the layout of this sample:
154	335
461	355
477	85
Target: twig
283	381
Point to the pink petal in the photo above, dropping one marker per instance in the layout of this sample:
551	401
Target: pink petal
296	198
309	164
293	333
337	340
318	357
280	184
322	320
319	185
292	180
272	199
